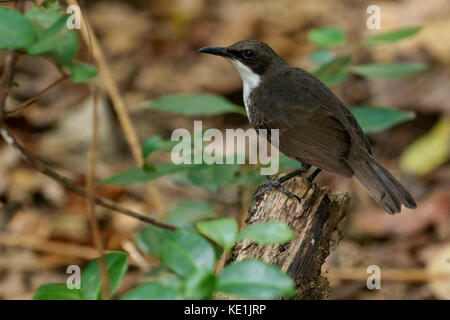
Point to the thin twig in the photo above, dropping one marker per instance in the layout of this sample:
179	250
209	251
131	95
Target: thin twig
44	245
118	104
7	77
90	199
38	164
33	99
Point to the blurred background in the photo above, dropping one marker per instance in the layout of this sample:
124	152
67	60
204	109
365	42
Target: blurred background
151	49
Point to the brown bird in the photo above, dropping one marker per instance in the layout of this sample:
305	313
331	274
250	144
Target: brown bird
315	127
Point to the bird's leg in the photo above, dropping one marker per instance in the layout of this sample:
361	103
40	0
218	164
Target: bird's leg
276	183
313	175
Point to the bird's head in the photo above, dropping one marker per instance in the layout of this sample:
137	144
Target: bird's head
249	57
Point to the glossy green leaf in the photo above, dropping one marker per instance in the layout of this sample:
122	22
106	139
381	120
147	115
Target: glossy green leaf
249	178
200	286
151	239
186	252
334	71
320	57
186	213
139	175
116	264
156	271
289	163
276	232
153	291
254	280
212	176
59	41
57	291
389	70
16	32
327	36
373	119
222	231
43	17
391	36
156	143
81	72
194	104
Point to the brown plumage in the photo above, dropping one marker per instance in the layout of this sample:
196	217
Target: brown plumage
315	127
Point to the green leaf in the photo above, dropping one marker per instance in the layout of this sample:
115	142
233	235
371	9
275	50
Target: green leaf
116	264
200	286
186	213
81	72
391	36
373	119
43	18
57	291
320	57
151	239
389	70
267	233
254	280
194	104
58	40
153	291
186	252
157	271
334	71
429	151
212	176
16	32
223	231
327	36
248	178
289	163
156	143
139	175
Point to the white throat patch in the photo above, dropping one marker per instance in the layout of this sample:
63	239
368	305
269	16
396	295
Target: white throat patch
250	81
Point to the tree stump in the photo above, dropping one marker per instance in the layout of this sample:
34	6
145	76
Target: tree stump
316	223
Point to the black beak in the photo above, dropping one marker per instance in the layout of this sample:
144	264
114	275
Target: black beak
218	51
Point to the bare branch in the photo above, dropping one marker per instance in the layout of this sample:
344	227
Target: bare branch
39	165
34	98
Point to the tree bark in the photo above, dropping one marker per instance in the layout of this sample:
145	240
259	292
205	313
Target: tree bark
316	225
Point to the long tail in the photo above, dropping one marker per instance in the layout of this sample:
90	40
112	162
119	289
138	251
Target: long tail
384	188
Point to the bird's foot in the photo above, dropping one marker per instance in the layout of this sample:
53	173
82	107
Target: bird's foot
274	183
312	176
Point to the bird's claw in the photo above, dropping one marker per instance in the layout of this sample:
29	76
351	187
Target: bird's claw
274	183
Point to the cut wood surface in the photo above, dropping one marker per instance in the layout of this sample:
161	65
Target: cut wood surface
316	223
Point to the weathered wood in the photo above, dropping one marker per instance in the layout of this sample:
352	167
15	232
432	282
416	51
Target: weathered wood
316	226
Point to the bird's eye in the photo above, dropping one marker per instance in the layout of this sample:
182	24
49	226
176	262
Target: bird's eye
247	54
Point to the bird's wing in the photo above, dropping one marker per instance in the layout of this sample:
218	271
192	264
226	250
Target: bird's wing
309	119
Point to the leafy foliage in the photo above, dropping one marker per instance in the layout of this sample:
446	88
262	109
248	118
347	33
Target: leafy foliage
187	270
222	231
374	119
40	31
16	32
391	36
90	281
195	104
254	280
327	36
389	70
116	265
